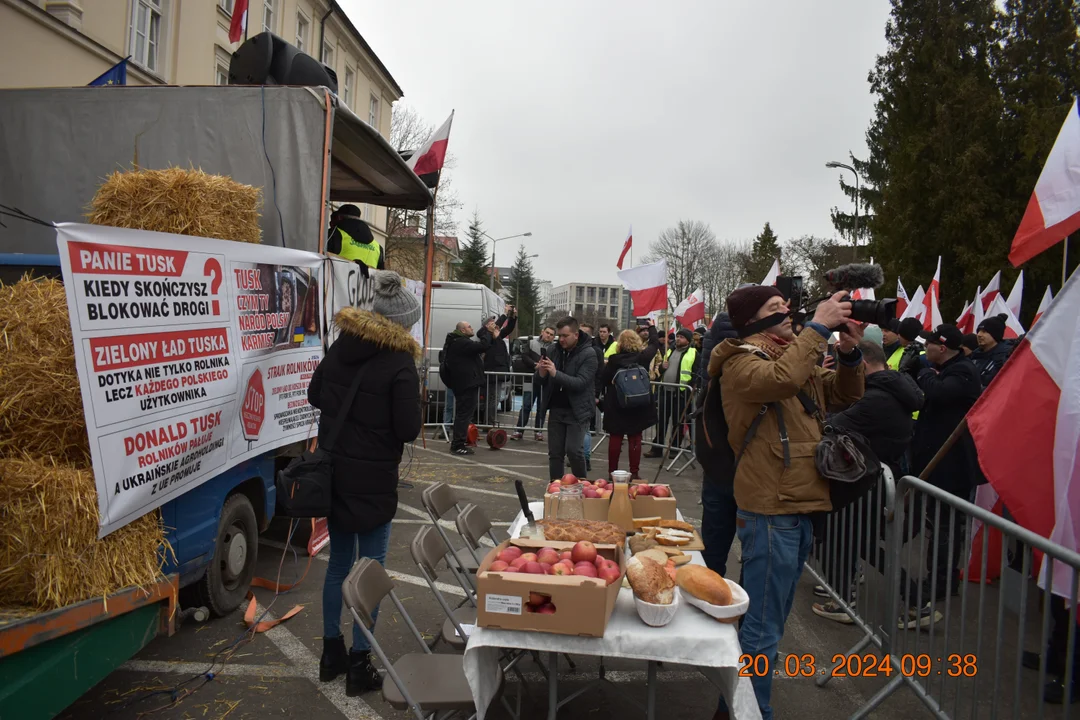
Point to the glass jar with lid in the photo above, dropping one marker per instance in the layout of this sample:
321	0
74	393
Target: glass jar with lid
570	503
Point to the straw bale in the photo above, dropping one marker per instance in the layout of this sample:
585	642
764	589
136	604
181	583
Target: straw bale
41	411
50	555
175	200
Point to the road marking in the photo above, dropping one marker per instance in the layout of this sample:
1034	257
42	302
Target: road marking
410	521
308	666
422	464
482	491
446	524
507	471
403	577
189	668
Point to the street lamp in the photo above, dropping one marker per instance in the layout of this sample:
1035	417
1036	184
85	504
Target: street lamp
833	164
498	240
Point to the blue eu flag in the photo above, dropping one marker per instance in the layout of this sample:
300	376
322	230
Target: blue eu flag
116	75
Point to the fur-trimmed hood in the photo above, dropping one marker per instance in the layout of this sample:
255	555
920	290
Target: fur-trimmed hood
376	331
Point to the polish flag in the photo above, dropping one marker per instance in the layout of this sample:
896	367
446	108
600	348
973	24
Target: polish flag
774	272
901	298
977	308
647	285
428	161
1047	298
932	316
992	291
1013	328
239	21
966	321
1053	212
916	308
1026	428
1016	295
865	293
691	311
626	247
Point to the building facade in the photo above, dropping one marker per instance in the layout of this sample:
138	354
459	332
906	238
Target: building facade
68	43
591	303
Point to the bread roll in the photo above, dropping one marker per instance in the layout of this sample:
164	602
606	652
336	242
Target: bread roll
671	539
646	522
650	581
704	584
676	525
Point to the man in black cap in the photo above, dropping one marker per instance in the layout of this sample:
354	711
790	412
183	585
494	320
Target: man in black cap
907	355
677	369
950	386
992	352
971	344
351	238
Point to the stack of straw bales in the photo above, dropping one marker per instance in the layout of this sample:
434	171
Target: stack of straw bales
185	202
50	555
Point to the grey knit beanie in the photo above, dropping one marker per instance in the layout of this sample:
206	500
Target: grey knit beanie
393	301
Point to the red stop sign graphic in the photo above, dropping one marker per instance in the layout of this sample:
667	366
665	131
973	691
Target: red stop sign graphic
253	410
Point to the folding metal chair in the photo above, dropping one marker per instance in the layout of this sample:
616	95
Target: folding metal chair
439	499
472	524
423	682
427	552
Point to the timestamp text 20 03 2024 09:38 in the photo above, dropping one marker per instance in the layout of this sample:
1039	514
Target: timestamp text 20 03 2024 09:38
861	666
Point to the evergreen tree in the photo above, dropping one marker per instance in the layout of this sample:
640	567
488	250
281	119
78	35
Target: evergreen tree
935	148
524	293
474	266
765	249
870	179
1037	67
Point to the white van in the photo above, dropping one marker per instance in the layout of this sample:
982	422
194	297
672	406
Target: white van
452	302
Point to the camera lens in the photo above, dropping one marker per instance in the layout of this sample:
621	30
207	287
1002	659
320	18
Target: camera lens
877	312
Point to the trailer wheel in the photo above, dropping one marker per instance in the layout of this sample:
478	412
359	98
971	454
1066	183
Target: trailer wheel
229	575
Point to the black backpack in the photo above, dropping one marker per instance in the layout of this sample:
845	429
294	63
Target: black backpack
444	368
632	388
711	446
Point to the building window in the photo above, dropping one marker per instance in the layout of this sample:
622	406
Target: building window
302	25
268	15
603	294
221	77
227	5
579	294
347	91
614	313
146	33
592	294
577	309
373	112
328	54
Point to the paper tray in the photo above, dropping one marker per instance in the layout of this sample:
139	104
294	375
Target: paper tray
740	603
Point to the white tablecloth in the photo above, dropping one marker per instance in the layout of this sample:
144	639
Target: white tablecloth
692	638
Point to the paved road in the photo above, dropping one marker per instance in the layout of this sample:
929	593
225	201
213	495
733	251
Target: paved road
275	675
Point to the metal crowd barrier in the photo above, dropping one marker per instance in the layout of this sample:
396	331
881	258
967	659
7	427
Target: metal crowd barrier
943	624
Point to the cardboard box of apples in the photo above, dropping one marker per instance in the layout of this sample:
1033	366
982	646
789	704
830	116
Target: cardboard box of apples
547	586
646	500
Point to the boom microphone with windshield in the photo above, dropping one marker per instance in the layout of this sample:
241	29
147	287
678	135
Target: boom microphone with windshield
855	276
851	277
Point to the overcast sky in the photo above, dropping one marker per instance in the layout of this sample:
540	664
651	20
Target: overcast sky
577	119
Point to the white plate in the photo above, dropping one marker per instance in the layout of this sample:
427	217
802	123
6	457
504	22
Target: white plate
740	603
657	615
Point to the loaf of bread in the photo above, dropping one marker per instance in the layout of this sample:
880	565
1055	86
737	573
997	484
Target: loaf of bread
595	531
650	581
676	525
704	584
646	522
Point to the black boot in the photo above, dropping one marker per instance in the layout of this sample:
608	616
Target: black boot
362	677
334	660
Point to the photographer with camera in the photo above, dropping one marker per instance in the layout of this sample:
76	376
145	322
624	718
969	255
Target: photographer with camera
497	358
770	382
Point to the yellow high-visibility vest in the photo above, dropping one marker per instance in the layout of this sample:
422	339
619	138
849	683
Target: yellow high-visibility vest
894	364
611	350
686	365
367	253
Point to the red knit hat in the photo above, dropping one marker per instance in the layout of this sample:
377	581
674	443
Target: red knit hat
744	303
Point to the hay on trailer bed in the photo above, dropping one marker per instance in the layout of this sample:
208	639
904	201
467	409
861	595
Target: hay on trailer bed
41	411
50	555
175	200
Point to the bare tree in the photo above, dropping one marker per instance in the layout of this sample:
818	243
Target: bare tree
810	257
408	131
722	272
687	247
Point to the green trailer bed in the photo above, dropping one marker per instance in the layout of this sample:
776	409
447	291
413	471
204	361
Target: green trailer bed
48	660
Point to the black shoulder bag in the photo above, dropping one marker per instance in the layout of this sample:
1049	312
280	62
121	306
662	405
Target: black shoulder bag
844	458
303	487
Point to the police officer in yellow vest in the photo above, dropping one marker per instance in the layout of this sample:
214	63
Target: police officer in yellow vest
351	238
678	367
901	350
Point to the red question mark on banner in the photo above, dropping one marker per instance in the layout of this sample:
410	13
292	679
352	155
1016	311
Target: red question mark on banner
213	269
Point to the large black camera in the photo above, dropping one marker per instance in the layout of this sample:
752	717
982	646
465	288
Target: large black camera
845	277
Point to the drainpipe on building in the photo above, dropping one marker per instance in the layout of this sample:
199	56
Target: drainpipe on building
322	27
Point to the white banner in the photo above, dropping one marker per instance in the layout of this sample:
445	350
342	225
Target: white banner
193	355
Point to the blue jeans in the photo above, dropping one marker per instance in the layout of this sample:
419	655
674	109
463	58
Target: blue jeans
774	549
587	446
448	408
344	550
717	523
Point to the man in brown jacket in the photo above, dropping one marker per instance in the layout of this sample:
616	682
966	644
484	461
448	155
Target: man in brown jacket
774	395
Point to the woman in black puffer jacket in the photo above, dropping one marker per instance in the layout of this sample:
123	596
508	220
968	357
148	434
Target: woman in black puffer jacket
384	416
620	421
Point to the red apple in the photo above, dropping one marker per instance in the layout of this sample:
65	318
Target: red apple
512	569
661	491
586	569
586	482
530	557
554	488
643	489
518	563
565	555
590	492
538	599
632	492
599	562
546	609
498	566
601	483
584	551
548	555
534	568
547	568
569	479
610	573
562	568
510	554
605	493
529	607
